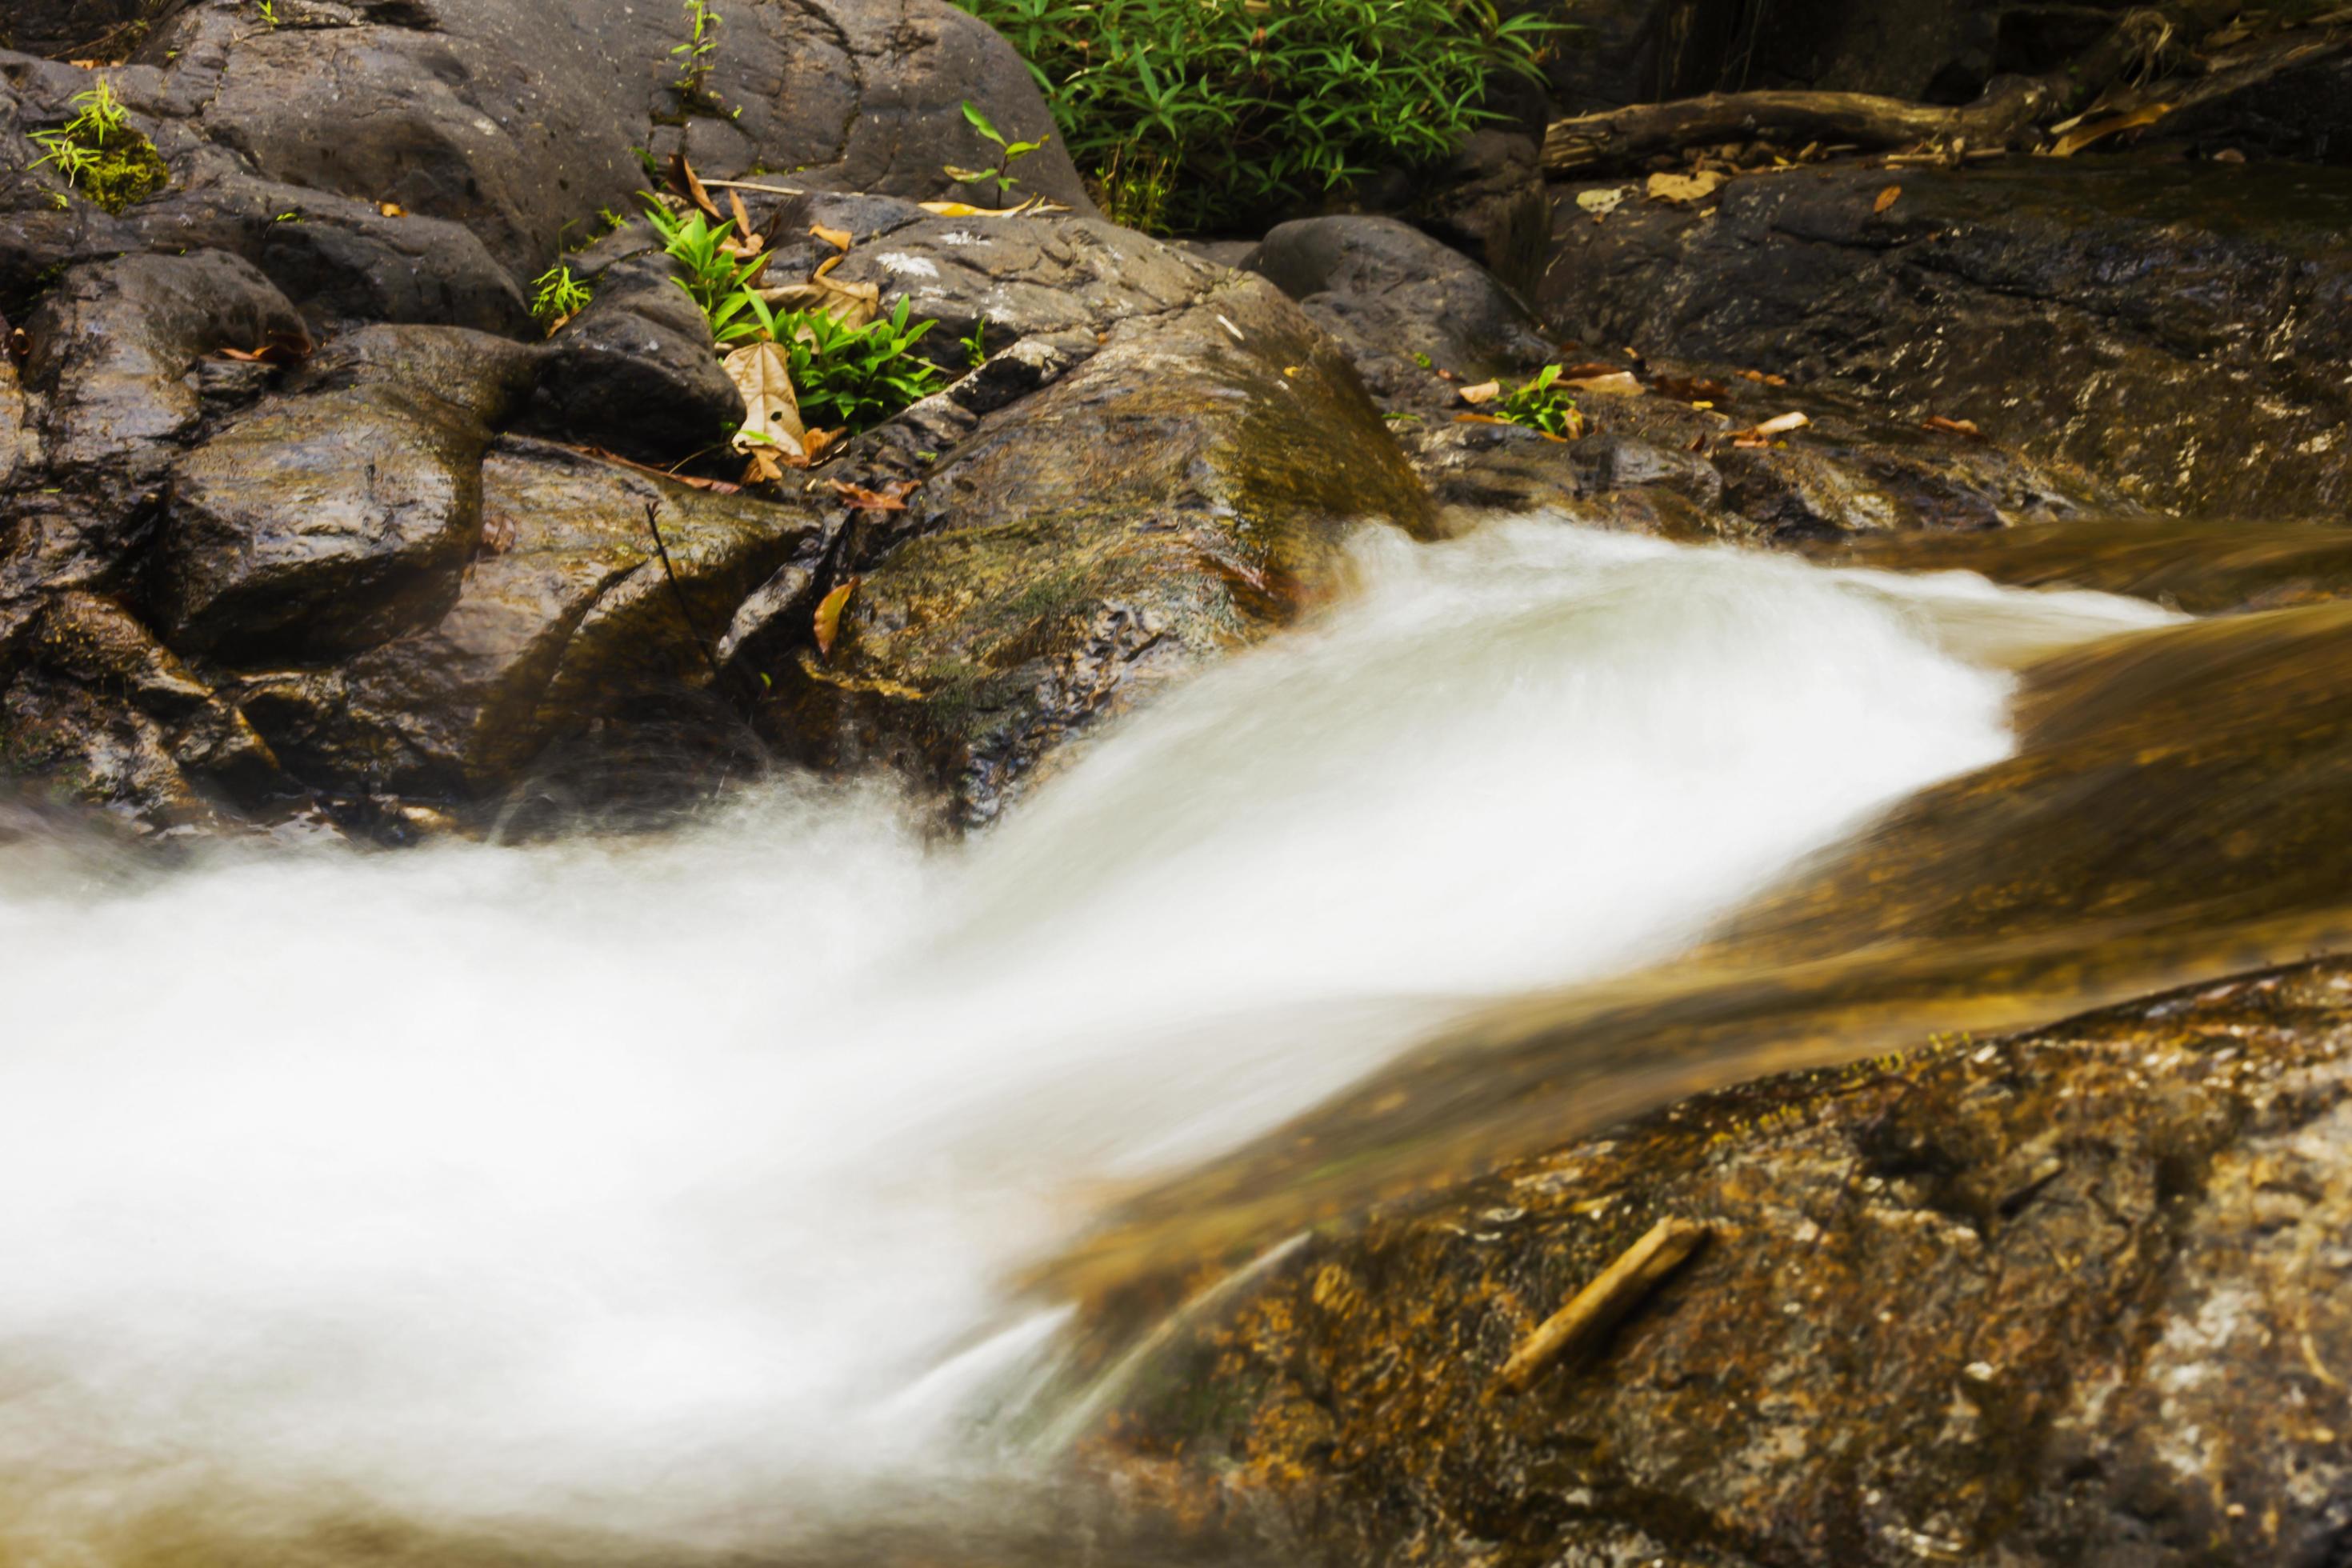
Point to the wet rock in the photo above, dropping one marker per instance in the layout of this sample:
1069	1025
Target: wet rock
2056	1299
637	372
321	524
1182	492
94	709
515	123
563	619
1390	293
2023	300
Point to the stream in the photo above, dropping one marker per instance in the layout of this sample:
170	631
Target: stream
679	1188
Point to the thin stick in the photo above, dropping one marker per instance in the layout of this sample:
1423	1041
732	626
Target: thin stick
1600	1306
685	611
748	185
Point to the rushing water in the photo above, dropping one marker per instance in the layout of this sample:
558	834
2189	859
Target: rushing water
672	1187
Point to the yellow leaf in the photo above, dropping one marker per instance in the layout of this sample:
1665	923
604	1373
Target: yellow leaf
2082	136
1682	189
828	617
837	238
762	372
1484	392
392	209
1887	198
1616	383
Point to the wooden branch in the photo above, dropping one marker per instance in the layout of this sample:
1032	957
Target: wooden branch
2009	114
1601	1305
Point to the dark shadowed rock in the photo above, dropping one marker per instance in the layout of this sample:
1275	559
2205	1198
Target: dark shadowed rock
2171	330
2062	1299
637	370
1390	293
94	709
563	619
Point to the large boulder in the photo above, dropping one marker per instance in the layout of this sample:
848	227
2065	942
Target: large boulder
2059	1298
1160	467
2172	330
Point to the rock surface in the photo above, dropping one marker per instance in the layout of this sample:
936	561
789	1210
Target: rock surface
2172	329
2072	1296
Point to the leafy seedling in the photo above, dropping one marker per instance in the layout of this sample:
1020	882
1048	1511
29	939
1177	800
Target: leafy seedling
1008	154
557	296
1539	404
99	155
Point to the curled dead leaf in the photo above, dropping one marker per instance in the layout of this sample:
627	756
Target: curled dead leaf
392	209
1761	435
683	180
1615	383
1761	379
1965	428
839	239
891	497
762	373
2084	135
1887	198
1484	392
828	616
1601	203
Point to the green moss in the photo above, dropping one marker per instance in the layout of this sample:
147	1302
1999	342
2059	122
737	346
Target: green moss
126	173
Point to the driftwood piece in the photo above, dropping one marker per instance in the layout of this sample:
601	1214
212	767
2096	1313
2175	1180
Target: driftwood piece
2011	115
1601	1305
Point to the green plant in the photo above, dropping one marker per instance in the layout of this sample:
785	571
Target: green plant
1244	107
1538	404
558	297
1007	154
268	11
975	347
855	376
99	155
693	56
716	279
1134	187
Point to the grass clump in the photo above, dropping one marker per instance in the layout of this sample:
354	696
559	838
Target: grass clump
99	155
1539	404
845	375
1200	114
557	296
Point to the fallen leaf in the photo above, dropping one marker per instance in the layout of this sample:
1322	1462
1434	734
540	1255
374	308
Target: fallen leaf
1616	383
762	372
1967	427
1761	435
838	238
852	304
1590	368
764	468
392	209
1484	392
891	497
277	348
1479	419
2083	136
1887	198
1682	189
1601	203
682	179
828	616
1763	380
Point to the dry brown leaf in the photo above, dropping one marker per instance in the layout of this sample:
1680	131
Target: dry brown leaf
2083	136
891	497
1761	379
277	348
743	219
762	372
392	209
1887	198
1682	189
765	468
682	178
1616	383
1484	392
1601	203
1761	435
1690	389
851	304
828	617
1967	427
838	238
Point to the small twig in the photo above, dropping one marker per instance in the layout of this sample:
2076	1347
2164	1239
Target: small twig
749	185
685	610
1601	1305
